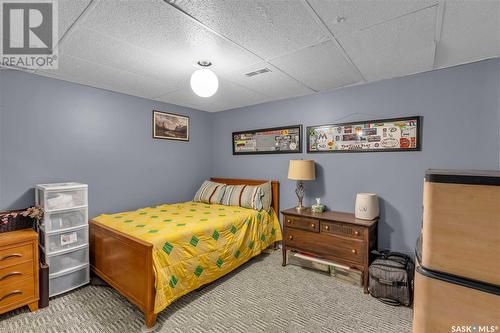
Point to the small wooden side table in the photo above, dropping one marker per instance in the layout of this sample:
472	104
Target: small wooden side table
335	236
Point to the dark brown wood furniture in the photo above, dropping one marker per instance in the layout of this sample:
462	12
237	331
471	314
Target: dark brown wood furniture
335	236
130	269
18	270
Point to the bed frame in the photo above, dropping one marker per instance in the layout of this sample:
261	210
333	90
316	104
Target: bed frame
126	262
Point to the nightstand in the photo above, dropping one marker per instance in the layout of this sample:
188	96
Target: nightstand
18	270
335	236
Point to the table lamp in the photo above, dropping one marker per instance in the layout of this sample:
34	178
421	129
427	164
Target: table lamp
301	170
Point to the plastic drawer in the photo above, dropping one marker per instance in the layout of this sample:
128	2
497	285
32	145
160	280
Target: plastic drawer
67	260
68	281
66	219
64	240
59	198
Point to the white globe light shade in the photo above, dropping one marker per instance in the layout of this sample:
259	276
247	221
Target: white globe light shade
204	82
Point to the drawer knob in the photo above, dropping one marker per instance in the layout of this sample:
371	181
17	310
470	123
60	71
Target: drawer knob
312	225
353	251
356	233
289	221
327	227
290	238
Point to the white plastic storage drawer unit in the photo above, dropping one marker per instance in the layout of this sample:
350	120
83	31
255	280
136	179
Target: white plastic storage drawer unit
67	260
54	221
64	234
66	281
59	196
63	239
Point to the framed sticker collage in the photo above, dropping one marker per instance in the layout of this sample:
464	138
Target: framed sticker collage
380	135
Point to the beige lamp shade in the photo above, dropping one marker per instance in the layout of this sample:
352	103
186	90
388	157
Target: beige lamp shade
301	170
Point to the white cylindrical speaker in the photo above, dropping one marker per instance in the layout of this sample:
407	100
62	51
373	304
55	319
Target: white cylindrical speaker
366	206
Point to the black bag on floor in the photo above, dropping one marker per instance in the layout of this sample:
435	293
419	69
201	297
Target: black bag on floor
391	278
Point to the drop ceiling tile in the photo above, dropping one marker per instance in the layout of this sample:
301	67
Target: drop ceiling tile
68	12
267	28
320	67
184	97
228	96
158	27
470	32
231	95
148	48
84	72
399	47
274	83
101	49
360	15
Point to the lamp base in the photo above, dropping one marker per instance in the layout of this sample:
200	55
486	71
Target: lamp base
300	208
299	191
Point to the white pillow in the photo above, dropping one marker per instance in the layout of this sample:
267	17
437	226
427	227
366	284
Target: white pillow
267	196
246	196
210	192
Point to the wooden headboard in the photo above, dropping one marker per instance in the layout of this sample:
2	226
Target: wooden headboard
275	188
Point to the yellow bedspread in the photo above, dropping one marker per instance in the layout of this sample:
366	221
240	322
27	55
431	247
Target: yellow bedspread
196	243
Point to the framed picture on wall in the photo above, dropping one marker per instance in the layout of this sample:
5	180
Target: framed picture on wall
393	134
276	140
170	126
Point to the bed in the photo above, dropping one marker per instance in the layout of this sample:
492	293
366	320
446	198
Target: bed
155	255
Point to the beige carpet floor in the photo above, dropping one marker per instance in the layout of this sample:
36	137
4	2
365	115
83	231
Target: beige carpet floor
260	296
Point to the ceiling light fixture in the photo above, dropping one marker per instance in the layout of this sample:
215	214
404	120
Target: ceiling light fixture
204	82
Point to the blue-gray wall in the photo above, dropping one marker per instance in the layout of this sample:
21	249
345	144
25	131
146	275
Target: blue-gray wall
460	130
54	131
1	139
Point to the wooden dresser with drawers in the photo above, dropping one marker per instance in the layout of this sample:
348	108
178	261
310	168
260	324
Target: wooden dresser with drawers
18	270
335	236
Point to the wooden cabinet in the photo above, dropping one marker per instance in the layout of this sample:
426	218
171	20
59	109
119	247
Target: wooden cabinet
335	236
457	274
461	224
18	270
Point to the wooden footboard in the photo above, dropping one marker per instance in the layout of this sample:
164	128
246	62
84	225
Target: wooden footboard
126	263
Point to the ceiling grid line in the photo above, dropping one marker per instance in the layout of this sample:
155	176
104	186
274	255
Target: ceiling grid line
324	26
194	19
397	17
439	28
92	4
61	38
270	59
